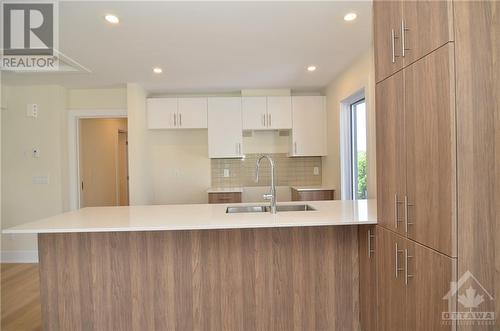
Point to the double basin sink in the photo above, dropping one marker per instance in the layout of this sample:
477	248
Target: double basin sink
267	209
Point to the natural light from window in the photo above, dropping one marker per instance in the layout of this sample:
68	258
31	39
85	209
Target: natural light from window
358	149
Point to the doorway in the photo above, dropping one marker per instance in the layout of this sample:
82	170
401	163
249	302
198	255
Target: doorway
103	162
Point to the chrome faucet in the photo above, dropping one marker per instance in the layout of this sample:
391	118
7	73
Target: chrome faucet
272	193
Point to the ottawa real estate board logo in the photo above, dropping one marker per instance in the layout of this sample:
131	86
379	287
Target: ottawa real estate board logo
29	36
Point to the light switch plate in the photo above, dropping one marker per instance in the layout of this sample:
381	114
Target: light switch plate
41	180
226	172
316	171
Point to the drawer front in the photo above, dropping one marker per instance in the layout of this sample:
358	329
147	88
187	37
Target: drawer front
312	195
233	197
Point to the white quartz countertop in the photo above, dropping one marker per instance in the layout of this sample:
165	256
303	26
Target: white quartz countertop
313	188
200	216
225	190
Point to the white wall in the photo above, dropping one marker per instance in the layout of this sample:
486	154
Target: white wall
357	76
112	98
23	201
165	166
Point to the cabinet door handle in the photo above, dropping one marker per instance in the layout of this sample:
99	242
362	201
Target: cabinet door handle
238	148
407	274
264	120
393	42
397	268
269	122
370	250
175	119
396	214
403	39
180	119
295	147
407	223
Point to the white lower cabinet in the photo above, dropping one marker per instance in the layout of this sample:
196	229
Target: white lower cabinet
308	126
225	132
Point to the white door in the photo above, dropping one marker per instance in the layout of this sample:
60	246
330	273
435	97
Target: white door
224	128
279	110
161	113
254	113
308	126
192	113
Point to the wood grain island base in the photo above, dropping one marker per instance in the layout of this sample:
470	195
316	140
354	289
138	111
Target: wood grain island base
300	278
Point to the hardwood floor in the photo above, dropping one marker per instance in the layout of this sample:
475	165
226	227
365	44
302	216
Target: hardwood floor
20	297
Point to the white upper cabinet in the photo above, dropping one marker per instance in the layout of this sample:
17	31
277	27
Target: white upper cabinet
254	113
177	113
279	113
225	131
308	126
161	113
192	113
267	113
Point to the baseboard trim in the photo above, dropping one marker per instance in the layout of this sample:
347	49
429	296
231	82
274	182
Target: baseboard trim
19	257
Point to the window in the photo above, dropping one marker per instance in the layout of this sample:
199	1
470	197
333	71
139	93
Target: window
358	149
353	147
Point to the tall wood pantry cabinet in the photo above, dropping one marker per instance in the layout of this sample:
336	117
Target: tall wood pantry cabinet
438	165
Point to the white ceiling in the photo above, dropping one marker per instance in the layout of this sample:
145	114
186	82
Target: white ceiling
208	46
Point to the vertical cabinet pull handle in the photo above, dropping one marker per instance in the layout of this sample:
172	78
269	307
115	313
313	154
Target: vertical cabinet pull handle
407	274
180	119
397	268
393	41
269	122
175	119
264	120
403	38
238	148
295	147
370	249
396	209
407	223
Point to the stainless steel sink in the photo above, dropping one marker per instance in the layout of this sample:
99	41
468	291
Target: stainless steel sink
264	209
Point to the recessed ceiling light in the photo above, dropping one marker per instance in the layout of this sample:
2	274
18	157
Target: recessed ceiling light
350	17
311	68
112	19
157	70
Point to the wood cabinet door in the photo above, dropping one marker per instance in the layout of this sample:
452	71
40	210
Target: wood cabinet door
428	275
309	126
367	278
430	151
391	159
426	25
254	113
192	113
224	127
391	291
279	112
161	113
386	21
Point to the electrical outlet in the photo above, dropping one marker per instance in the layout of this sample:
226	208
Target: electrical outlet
36	153
226	172
316	171
32	110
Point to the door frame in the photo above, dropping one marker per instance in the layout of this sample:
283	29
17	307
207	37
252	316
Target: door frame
74	115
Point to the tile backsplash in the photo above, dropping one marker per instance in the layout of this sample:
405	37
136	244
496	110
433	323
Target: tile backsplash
290	171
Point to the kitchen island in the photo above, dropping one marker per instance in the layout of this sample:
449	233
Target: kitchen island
196	267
